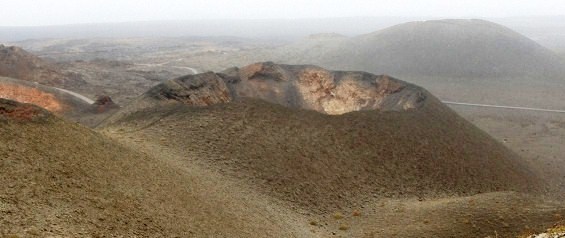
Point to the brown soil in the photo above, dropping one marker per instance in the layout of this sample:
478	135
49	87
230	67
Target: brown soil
500	214
324	162
60	179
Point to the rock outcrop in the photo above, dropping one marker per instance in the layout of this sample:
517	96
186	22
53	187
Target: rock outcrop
103	104
294	86
325	91
196	90
26	94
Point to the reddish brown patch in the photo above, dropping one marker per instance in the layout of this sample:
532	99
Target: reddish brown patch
17	111
31	95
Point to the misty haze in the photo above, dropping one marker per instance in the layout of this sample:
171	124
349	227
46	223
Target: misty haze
253	118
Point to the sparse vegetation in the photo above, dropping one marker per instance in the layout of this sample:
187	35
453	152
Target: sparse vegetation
343	227
556	230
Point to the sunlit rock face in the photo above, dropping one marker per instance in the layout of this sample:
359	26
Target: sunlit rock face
325	91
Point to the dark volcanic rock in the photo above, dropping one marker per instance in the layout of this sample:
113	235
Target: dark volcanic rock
11	110
196	90
103	104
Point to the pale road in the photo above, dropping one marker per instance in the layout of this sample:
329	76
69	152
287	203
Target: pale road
79	96
90	101
505	107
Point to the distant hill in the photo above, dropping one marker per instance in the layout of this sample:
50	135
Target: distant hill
438	48
323	139
20	64
269	29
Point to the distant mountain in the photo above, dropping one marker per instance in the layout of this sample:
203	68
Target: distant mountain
439	48
20	64
267	29
323	139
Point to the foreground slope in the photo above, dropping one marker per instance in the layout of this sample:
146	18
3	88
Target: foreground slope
387	139
61	179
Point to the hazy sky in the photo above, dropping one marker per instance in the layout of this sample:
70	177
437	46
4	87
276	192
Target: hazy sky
54	12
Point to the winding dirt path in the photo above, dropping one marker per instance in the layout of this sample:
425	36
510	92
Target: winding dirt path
79	96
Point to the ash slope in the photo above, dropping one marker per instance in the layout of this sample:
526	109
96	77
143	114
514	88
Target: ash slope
396	141
61	179
438	48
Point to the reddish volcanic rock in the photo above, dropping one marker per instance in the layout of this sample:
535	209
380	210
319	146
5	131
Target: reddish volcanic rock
12	110
31	95
294	86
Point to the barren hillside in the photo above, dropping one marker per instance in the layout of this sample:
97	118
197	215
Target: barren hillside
205	155
20	64
61	179
394	140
